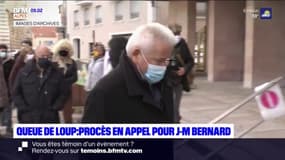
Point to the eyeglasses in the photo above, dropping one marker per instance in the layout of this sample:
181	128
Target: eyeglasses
164	62
160	62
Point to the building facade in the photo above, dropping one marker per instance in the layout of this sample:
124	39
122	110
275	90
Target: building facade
98	21
44	36
4	28
231	41
240	45
10	35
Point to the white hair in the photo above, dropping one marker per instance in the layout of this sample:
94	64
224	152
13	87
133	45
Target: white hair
145	36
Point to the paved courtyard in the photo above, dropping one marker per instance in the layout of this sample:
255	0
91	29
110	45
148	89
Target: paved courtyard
211	99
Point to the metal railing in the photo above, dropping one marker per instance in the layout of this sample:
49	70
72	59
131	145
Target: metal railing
246	100
231	110
234	108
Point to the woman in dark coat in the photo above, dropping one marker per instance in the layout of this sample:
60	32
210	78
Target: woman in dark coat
63	51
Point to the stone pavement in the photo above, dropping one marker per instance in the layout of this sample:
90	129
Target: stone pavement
209	100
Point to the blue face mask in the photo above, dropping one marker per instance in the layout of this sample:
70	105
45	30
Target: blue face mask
154	73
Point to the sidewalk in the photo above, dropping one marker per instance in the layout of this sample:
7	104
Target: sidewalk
209	100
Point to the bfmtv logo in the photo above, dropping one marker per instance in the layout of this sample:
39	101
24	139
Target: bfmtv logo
20	13
23	13
265	13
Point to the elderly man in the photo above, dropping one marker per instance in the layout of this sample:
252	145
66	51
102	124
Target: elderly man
135	91
39	91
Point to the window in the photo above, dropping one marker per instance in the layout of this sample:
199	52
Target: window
134	9
86	16
91	47
119	10
75	20
76	44
98	16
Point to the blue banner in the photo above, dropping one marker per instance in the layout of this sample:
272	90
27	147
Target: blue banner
142	149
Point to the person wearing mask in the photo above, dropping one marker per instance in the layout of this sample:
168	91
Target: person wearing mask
95	69
181	65
135	91
62	55
25	54
40	90
6	63
23	57
116	49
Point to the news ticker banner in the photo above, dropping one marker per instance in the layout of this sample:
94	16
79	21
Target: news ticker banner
81	149
141	149
122	131
37	14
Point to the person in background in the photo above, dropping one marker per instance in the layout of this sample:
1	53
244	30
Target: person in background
40	90
96	67
25	54
180	66
63	51
135	91
6	63
25	43
117	47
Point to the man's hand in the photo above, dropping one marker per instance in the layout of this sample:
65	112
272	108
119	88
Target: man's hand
181	71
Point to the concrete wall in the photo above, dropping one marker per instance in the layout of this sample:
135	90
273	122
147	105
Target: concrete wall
178	17
226	22
191	35
184	13
248	50
210	40
268	52
162	12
